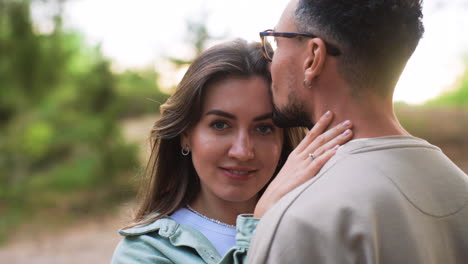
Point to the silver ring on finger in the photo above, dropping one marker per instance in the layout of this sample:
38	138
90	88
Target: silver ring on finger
312	156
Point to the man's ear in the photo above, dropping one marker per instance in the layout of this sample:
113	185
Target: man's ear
315	60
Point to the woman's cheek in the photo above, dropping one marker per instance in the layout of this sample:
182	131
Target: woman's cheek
270	150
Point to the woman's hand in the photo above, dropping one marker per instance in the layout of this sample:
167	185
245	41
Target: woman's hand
306	160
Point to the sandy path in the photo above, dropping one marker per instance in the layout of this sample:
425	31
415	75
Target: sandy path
90	241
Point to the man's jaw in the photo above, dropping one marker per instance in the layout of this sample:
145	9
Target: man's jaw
291	116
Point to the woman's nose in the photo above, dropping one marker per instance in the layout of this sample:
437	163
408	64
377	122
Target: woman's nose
242	148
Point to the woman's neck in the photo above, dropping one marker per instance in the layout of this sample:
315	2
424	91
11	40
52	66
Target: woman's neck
221	210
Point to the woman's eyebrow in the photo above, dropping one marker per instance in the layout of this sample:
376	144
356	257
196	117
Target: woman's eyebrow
220	113
263	117
231	116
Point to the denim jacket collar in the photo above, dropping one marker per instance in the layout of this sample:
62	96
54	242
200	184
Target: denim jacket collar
179	235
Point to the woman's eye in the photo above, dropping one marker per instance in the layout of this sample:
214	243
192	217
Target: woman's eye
219	125
265	129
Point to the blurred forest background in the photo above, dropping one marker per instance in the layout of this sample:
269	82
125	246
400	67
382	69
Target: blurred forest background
61	106
63	111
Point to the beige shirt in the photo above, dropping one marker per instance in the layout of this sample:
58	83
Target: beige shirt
381	200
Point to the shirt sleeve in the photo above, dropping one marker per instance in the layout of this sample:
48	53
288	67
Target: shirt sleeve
133	250
245	226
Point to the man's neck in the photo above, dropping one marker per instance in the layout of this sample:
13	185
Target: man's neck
371	117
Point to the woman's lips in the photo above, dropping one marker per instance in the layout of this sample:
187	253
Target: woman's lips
238	173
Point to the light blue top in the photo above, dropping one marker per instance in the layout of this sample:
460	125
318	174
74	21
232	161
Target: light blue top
222	237
166	241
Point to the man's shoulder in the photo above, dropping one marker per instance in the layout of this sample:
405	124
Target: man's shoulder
390	158
409	176
369	193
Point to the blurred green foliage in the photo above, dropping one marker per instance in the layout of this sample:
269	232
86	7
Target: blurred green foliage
138	93
458	96
60	142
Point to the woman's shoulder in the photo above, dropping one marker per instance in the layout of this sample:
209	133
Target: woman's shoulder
164	226
164	241
143	243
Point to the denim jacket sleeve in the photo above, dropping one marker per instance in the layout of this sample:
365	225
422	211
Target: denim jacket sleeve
245	225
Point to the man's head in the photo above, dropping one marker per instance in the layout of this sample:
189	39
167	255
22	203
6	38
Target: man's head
375	39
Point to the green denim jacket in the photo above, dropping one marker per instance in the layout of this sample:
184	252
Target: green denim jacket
166	241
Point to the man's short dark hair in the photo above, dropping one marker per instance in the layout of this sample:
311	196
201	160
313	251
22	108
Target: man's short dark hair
376	37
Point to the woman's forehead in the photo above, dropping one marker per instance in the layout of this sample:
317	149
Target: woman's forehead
238	93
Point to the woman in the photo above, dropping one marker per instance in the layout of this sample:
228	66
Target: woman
214	151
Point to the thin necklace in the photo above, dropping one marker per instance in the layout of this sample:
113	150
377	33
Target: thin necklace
209	219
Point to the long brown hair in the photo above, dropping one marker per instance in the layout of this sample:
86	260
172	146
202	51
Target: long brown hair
171	180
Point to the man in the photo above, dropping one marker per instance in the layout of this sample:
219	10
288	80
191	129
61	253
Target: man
385	197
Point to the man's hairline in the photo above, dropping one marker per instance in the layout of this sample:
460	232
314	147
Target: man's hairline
306	28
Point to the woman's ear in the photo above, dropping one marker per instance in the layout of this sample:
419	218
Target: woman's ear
315	60
184	139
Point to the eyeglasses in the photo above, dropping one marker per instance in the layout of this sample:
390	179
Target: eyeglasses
268	38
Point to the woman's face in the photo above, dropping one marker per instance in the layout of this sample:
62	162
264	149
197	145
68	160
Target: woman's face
235	146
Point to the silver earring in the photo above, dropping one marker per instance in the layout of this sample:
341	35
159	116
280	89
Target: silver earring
305	84
185	150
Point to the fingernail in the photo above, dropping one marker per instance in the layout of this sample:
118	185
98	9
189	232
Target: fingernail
327	114
336	147
347	132
346	123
